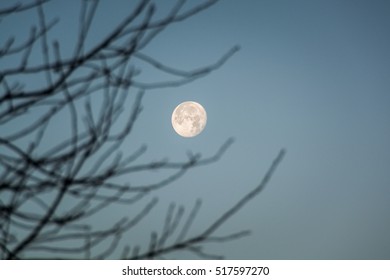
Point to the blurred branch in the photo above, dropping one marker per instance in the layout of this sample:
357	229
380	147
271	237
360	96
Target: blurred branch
206	235
18	7
51	190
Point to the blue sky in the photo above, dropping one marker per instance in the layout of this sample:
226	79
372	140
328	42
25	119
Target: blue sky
312	77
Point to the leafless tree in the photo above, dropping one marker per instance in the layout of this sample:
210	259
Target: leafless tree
36	180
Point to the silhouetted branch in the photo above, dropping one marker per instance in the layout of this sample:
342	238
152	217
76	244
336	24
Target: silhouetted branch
18	7
247	197
189	221
191	244
50	190
198	250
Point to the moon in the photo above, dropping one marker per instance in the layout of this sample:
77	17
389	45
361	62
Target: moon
189	119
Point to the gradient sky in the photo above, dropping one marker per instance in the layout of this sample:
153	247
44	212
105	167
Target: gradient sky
312	77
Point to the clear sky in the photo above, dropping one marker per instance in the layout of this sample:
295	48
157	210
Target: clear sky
312	77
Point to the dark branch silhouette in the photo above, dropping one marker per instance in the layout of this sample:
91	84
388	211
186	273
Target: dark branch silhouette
82	171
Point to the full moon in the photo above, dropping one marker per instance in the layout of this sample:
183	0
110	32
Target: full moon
189	119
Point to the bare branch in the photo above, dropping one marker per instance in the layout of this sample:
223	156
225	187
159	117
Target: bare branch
249	196
206	235
18	7
50	191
